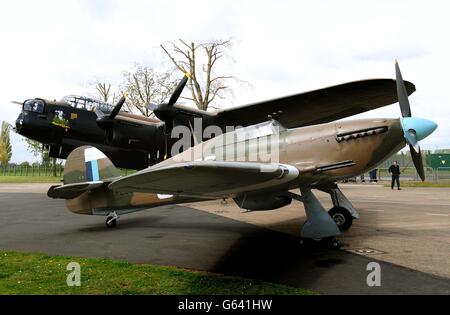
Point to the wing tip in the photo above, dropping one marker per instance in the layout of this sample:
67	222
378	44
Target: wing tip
410	87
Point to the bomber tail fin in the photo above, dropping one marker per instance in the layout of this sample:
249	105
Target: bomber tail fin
86	168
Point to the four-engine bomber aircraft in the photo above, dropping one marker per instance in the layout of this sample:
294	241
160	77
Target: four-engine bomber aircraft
135	142
311	157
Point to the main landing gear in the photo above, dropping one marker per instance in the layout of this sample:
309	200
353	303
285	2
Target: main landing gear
321	228
111	220
343	211
342	217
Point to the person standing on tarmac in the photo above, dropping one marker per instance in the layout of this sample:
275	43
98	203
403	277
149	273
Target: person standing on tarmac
394	169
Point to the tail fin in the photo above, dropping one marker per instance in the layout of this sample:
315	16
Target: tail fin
88	164
86	168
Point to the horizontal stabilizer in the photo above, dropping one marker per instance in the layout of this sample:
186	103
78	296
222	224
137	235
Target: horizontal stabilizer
70	191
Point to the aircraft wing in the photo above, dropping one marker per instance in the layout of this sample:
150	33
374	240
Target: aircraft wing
319	106
207	178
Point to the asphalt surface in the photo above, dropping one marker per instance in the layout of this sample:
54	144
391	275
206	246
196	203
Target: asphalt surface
190	238
410	227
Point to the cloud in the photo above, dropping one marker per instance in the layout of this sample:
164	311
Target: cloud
54	48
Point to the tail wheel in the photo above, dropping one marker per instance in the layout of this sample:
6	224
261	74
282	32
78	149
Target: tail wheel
342	217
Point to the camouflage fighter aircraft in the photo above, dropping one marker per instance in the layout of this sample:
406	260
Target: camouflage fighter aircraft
305	158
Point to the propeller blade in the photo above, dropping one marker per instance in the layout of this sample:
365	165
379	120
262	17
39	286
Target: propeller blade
176	94
417	159
117	108
402	94
17	102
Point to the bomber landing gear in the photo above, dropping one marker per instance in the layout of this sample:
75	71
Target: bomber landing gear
111	220
342	217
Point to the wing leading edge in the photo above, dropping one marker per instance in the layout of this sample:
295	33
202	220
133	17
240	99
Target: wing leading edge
207	178
319	106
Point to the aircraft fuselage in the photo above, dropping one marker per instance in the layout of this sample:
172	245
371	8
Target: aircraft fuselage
323	154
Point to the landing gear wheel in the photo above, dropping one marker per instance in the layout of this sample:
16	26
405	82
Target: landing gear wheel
335	244
342	217
111	222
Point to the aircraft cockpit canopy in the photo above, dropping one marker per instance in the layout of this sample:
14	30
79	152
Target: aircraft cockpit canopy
86	103
263	129
34	105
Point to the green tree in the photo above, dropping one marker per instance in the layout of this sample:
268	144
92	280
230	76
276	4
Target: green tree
25	164
39	150
5	145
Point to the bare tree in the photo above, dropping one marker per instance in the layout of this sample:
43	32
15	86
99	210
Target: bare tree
204	83
104	91
143	85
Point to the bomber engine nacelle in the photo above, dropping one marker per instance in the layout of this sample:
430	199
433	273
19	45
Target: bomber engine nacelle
117	138
261	202
148	138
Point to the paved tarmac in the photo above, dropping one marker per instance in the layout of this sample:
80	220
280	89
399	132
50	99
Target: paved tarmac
196	239
410	227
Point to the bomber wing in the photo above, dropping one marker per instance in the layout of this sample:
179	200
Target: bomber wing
319	106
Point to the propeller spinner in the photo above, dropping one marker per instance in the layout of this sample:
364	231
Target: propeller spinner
414	129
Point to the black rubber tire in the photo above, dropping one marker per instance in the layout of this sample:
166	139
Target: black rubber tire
342	217
112	223
335	244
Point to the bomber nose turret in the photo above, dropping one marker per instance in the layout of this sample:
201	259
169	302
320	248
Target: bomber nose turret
19	122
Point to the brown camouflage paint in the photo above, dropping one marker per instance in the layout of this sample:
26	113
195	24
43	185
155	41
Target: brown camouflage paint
305	148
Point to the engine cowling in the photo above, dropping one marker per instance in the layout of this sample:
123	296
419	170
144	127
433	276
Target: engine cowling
261	202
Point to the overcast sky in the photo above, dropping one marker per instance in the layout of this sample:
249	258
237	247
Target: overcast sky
53	48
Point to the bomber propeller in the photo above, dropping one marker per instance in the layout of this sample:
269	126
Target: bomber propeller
165	111
106	121
414	129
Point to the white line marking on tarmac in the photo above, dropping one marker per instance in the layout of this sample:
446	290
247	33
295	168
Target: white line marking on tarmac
438	214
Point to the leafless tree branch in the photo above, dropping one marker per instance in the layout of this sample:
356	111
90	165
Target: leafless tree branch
204	86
